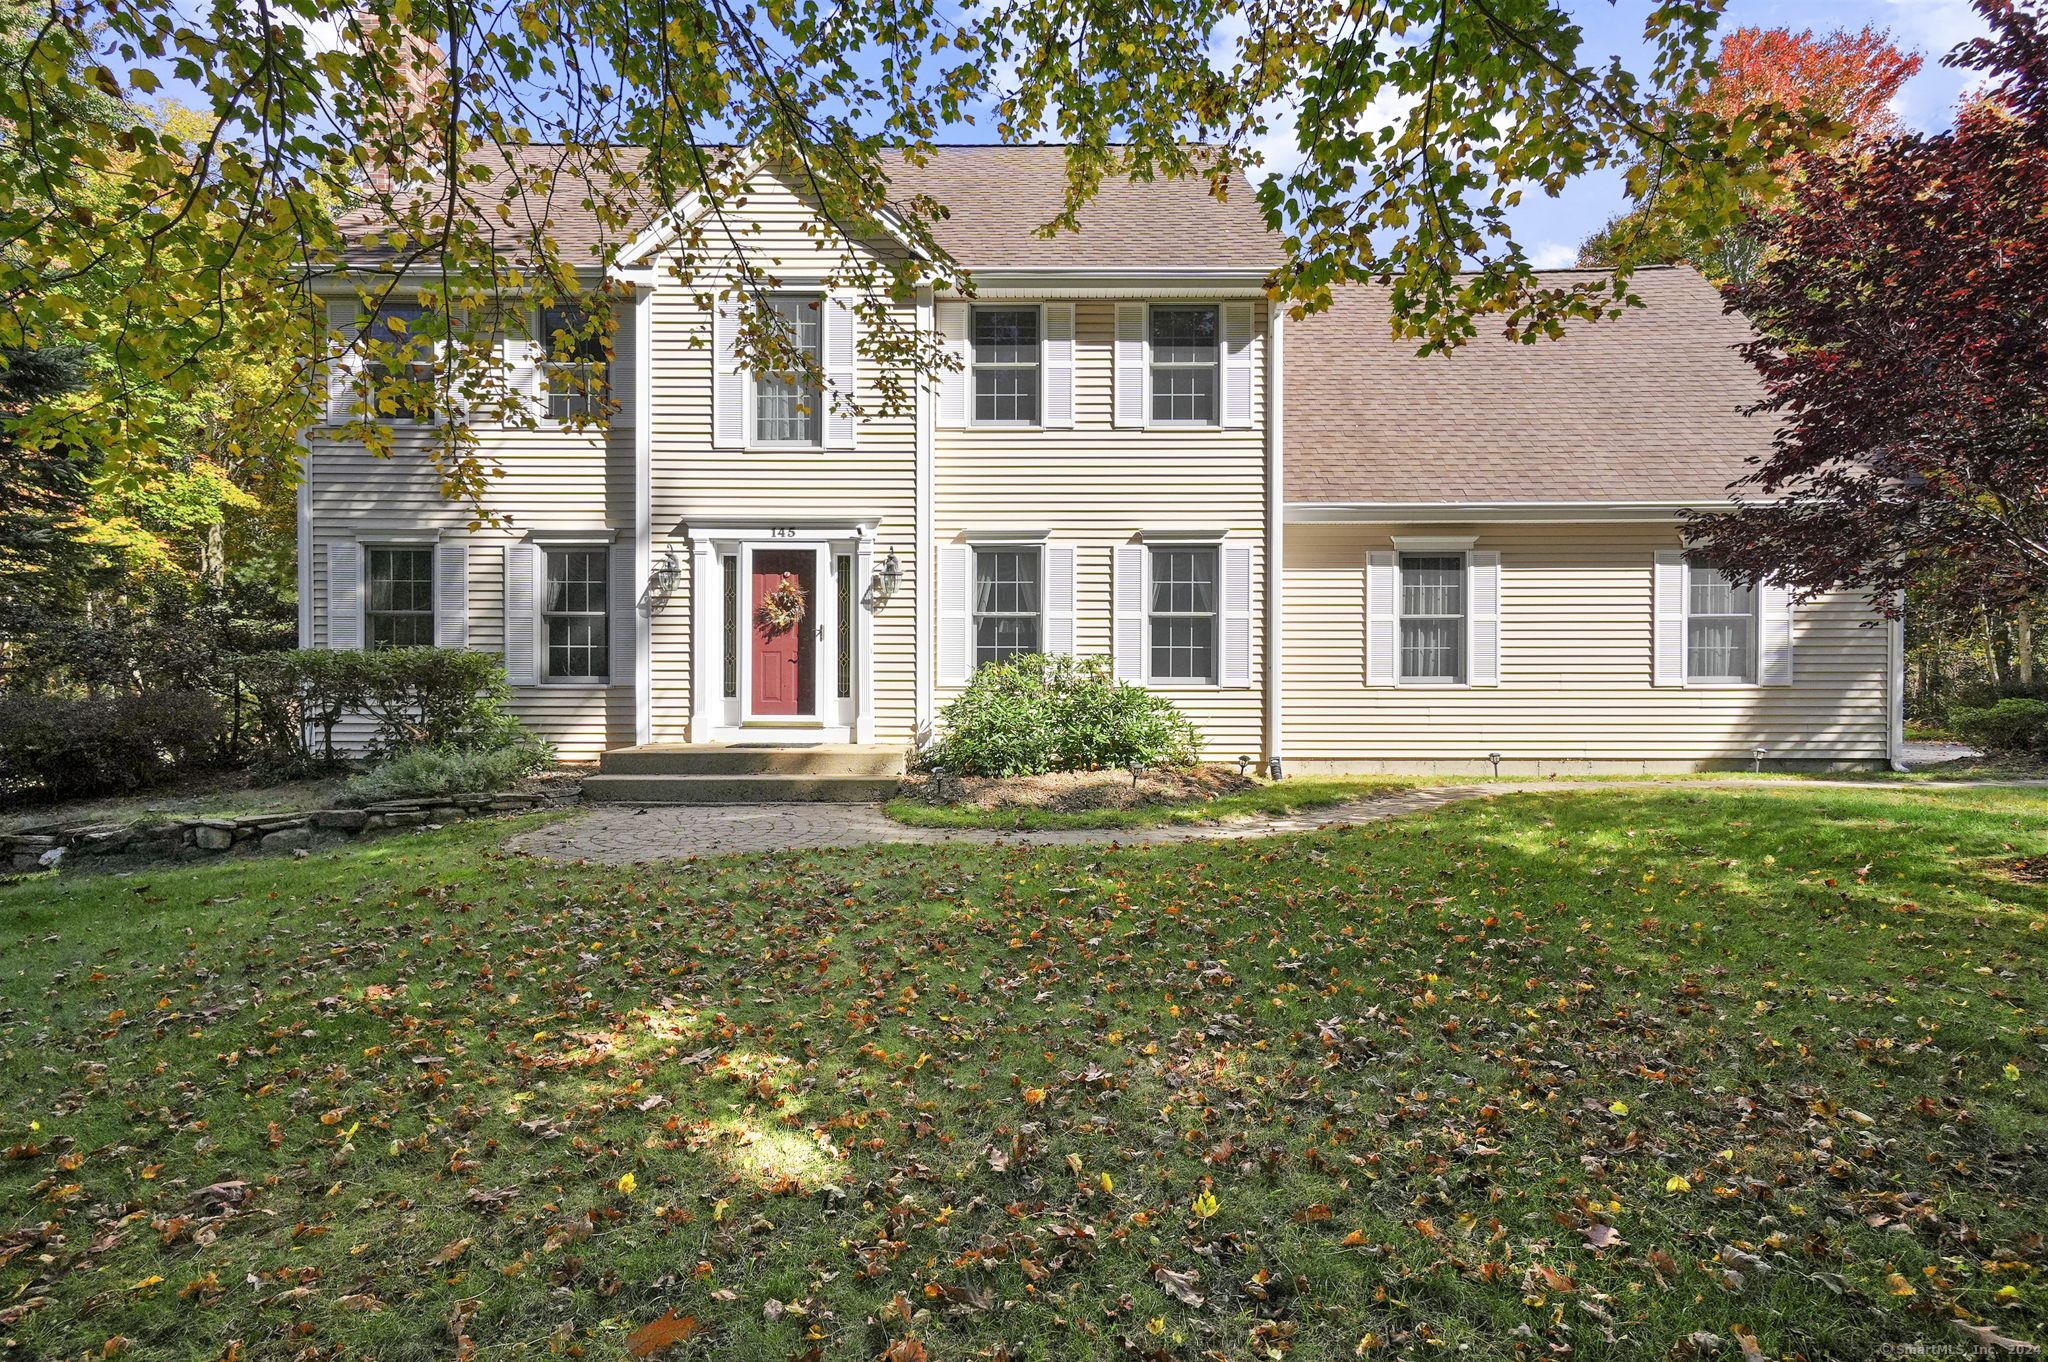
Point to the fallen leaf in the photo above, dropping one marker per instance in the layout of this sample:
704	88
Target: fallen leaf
1179	1285
655	1335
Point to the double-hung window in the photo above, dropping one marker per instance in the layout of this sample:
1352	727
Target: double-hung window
1182	621
400	607
1006	376
1185	366
786	410
573	361
1720	627
1433	617
1007	604
399	363
573	615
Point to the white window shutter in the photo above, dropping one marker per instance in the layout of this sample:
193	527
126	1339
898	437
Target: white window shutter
1382	619
344	596
952	324
1056	360
520	618
1235	668
522	374
622	376
623	594
1129	638
1059	600
341	373
1130	365
728	380
451	596
1237	365
956	650
1668	665
842	372
1774	635
1482	618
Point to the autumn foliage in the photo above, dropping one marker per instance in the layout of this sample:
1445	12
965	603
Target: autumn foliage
1849	77
1902	310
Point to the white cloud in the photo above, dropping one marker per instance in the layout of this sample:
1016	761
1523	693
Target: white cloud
1552	255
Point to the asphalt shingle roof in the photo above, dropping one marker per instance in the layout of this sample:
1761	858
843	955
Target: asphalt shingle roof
1645	408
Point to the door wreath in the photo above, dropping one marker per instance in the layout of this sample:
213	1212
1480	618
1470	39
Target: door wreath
783	608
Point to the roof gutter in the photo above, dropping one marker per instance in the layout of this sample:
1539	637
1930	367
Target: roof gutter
1463	512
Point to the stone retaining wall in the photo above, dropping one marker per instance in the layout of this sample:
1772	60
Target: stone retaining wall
48	845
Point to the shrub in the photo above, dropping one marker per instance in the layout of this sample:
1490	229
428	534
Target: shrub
418	697
2013	724
451	770
82	748
1036	714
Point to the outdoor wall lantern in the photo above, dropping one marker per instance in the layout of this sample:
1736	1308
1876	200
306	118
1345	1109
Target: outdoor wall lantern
661	583
888	576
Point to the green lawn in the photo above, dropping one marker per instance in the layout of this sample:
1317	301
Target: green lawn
1586	1072
1282	797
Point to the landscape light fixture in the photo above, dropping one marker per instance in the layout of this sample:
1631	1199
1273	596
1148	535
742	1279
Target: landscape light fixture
1137	770
1244	767
1760	753
1494	757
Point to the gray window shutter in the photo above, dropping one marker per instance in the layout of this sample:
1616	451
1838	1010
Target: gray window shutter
952	323
344	596
520	618
956	644
728	381
1382	619
1129	638
451	596
1482	619
623	593
622	377
1235	666
1237	365
1668	628
1130	365
341	373
842	372
1056	365
1774	635
1059	600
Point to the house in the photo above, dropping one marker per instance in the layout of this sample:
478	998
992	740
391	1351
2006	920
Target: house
1326	550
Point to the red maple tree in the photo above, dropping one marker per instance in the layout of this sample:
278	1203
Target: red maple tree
1901	301
1849	78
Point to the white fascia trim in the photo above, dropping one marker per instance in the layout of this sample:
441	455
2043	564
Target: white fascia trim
1468	512
667	228
1064	281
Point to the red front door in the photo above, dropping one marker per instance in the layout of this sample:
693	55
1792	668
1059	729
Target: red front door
785	677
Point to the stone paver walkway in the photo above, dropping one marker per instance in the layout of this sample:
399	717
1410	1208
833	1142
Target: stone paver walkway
621	834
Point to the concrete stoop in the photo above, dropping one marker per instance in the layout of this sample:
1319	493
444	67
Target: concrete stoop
743	773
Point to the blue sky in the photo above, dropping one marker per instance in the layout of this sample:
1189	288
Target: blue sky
1552	228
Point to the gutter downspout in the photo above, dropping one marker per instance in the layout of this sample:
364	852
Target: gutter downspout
1276	546
924	555
1895	683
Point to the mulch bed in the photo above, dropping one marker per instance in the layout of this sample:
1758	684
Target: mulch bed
1073	791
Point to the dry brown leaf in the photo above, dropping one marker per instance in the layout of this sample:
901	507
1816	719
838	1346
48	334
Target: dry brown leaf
655	1335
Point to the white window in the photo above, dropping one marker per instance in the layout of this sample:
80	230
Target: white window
1182	624
400	606
399	364
1186	365
1008	603
1006	375
573	361
575	615
1433	617
785	411
1720	627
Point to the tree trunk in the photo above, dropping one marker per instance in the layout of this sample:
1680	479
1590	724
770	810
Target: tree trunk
2026	645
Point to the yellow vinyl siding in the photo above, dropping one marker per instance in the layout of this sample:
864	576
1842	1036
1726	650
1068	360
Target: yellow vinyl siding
554	479
1575	665
1096	486
695	483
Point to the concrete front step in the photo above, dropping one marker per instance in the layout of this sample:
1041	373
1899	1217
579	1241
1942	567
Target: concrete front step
738	789
743	759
